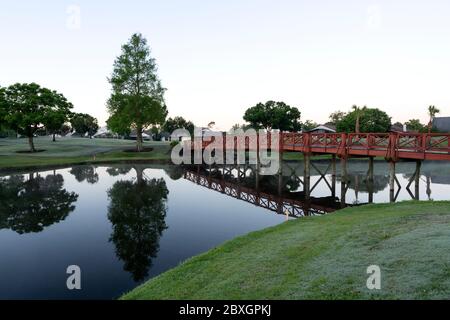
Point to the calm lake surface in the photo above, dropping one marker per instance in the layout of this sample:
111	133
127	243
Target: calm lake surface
125	224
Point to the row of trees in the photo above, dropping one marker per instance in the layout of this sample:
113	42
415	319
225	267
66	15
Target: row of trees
27	108
280	116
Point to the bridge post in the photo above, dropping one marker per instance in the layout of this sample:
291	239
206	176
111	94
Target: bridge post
370	189
417	180
392	180
333	175
371	171
344	180
307	175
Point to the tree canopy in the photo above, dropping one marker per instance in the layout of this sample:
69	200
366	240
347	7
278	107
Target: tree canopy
370	120
137	99
28	107
84	123
273	115
178	123
415	125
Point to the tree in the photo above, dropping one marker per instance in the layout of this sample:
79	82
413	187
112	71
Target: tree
137	99
28	107
83	123
415	125
273	115
3	109
370	120
178	123
357	110
137	212
336	117
309	125
54	122
432	112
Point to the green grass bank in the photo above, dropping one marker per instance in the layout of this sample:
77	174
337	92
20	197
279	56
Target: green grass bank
66	151
323	258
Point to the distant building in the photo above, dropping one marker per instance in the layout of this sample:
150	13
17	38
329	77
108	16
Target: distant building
104	133
133	135
398	127
442	124
324	129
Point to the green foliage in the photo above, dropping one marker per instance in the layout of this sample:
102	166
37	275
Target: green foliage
371	120
309	125
174	143
415	125
273	115
336	117
178	123
84	123
137	99
27	107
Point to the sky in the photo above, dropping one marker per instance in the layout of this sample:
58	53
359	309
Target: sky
218	58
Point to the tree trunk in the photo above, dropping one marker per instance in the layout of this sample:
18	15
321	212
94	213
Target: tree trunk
139	138
139	175
54	138
31	143
357	124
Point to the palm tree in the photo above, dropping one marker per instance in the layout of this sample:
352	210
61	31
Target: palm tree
432	111
358	117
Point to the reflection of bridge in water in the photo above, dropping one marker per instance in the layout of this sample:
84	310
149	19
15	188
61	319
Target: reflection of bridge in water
261	193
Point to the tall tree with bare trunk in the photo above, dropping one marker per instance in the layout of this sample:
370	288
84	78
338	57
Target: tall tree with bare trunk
432	112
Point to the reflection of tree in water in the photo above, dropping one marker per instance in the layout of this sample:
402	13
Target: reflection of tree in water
174	172
137	212
30	206
359	183
116	171
83	173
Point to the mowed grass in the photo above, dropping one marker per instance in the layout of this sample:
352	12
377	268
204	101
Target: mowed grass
75	150
323	258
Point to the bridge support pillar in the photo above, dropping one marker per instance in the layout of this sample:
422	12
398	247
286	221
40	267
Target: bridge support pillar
333	175
344	180
307	175
417	180
392	180
371	170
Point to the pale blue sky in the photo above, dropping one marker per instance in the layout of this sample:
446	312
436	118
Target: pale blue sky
218	58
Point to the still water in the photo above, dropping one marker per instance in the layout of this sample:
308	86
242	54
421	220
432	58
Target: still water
127	223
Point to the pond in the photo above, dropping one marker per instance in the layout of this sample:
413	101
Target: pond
124	224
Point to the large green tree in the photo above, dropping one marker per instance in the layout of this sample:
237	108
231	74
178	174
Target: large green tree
28	107
137	99
172	124
84	123
368	120
273	115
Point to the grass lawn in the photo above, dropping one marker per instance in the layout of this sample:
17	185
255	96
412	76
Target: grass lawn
323	258
75	150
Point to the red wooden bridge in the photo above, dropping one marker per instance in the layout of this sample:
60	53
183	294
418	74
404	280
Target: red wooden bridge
392	146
